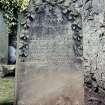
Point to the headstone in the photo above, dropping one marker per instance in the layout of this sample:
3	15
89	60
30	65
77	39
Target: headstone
49	70
3	41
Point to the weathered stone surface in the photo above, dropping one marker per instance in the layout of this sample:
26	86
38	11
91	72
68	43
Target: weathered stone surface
93	35
3	41
79	35
49	63
93	49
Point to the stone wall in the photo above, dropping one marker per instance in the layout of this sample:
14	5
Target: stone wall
94	37
93	32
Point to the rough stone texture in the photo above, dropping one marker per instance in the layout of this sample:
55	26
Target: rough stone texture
3	41
50	51
93	32
93	35
93	50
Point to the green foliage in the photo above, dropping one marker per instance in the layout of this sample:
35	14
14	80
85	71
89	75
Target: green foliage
10	9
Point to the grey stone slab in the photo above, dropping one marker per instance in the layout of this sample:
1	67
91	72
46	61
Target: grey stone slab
3	41
49	69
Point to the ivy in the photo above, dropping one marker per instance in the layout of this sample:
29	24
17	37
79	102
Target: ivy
10	9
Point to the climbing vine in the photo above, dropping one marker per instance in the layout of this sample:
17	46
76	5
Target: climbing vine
10	10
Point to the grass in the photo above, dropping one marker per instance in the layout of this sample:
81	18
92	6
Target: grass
6	91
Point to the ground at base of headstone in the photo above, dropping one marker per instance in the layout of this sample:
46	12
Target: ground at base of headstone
7	91
7	70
